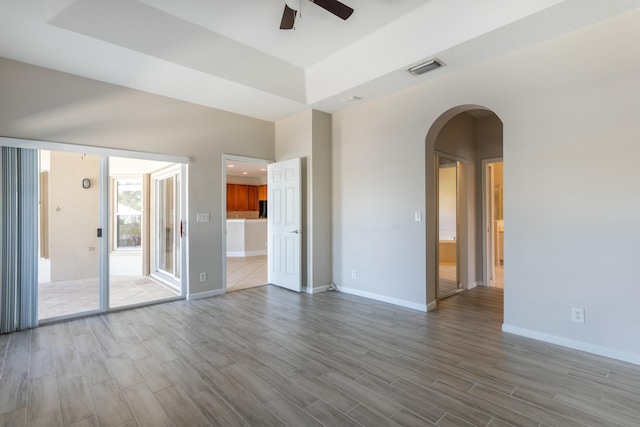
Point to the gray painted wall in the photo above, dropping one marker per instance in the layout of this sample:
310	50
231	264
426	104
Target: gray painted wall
572	213
47	105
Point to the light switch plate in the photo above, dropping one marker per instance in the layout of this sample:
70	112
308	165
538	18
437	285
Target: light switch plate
202	217
418	216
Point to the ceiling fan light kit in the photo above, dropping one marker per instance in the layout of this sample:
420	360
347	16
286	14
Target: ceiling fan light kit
292	7
293	4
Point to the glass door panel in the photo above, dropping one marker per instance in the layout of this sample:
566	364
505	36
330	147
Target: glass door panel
167	245
448	280
166	227
69	246
130	281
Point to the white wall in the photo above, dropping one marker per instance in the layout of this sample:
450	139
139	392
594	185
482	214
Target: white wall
571	208
54	106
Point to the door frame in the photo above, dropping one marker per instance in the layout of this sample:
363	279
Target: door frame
487	232
223	207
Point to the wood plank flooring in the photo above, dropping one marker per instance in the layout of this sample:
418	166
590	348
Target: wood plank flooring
270	357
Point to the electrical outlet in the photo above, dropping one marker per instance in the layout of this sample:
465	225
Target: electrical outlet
203	277
354	275
577	315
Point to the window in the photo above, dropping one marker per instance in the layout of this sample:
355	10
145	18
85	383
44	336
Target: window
127	205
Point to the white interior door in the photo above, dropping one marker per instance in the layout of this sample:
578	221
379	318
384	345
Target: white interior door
284	224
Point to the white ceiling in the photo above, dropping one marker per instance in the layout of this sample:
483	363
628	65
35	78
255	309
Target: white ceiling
247	169
231	55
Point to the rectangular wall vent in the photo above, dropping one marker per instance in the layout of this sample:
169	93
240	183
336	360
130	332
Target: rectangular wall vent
426	66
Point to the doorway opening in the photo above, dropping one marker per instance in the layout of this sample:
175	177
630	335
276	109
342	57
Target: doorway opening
465	227
246	196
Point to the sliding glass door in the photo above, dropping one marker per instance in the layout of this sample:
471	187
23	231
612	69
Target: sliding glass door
109	228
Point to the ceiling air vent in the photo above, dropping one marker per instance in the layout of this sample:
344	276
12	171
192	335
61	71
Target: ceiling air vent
426	66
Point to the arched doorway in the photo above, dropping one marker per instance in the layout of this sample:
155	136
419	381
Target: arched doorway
458	146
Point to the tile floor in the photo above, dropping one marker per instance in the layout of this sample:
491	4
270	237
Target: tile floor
77	296
498	281
246	272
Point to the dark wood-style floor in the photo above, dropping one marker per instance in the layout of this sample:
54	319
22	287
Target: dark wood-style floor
269	357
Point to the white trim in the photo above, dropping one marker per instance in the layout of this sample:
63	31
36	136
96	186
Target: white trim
390	300
207	294
316	289
184	217
242	254
576	345
473	285
101	151
104	284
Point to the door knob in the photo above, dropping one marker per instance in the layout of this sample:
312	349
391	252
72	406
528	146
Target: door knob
294	232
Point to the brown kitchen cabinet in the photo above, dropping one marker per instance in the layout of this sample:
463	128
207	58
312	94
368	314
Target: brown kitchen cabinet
252	198
242	197
232	197
262	192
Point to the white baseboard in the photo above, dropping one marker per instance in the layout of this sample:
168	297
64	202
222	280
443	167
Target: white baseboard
200	295
317	289
390	300
432	306
576	345
473	285
242	254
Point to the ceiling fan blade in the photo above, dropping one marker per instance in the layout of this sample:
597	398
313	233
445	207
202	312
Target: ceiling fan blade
341	10
288	18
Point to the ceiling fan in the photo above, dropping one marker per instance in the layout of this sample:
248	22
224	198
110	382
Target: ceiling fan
291	8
